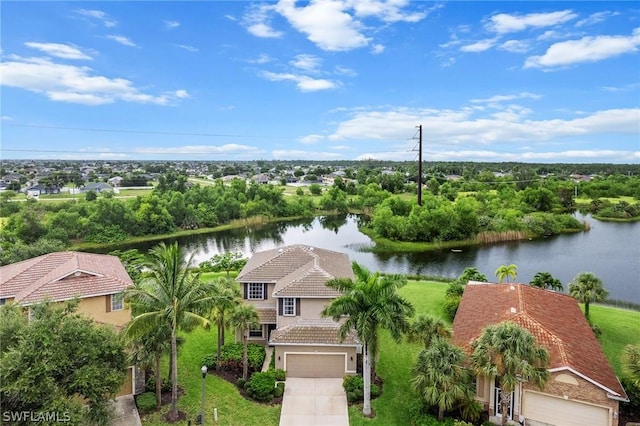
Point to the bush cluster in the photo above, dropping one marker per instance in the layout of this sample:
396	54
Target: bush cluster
261	387
150	385
146	401
231	357
354	388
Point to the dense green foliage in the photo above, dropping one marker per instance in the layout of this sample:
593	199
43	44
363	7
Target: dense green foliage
52	362
354	388
261	386
231	357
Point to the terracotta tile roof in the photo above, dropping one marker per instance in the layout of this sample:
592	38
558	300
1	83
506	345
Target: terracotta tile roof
267	314
297	270
62	276
312	332
555	319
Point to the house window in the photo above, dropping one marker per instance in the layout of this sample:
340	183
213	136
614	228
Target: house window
255	291
289	306
255	331
117	302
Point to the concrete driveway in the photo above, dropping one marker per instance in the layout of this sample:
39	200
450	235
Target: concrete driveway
314	402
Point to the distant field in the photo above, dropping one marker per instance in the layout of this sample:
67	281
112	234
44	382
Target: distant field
629	200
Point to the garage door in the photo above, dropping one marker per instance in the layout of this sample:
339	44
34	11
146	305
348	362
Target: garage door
543	410
315	365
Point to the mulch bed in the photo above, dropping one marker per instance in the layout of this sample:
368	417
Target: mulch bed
232	377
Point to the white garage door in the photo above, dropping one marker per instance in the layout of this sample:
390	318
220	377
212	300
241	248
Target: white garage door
543	410
315	365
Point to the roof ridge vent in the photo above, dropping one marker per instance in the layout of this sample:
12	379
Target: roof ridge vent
513	310
512	287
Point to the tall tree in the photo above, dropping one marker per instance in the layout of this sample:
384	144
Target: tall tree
146	352
506	271
631	363
244	317
169	295
425	328
587	288
370	302
226	296
440	376
58	359
509	353
546	281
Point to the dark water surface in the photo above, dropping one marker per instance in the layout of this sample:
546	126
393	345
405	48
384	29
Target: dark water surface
609	250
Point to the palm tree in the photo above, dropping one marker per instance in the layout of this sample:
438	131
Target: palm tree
587	288
370	302
168	295
631	363
546	280
506	271
147	351
509	353
425	328
245	317
440	376
226	296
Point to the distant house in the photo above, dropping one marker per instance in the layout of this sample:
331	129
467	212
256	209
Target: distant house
288	288
96	187
261	178
97	280
582	389
115	181
37	190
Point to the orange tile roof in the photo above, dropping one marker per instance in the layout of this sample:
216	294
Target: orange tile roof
555	319
63	276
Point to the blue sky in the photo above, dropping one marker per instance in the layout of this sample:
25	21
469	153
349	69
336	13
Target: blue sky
321	80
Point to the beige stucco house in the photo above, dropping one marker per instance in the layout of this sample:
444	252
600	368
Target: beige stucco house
287	287
582	389
97	280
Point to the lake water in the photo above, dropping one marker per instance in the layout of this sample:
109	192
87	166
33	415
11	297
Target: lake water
609	250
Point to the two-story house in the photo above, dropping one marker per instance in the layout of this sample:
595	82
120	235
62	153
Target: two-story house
582	389
97	280
287	286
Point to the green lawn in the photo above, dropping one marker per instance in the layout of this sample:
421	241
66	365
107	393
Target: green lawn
392	408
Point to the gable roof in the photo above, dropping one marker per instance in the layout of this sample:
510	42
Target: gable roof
62	276
555	320
297	270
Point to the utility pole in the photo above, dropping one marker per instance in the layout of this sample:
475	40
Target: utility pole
420	165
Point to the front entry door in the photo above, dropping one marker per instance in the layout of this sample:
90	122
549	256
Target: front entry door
497	408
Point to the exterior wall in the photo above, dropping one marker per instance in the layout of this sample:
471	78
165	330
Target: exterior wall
281	350
565	384
270	300
257	340
309	309
96	308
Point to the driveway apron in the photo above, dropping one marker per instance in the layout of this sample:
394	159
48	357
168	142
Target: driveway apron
314	402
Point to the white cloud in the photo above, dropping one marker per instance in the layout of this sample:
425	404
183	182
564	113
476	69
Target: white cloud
257	21
171	24
7	118
75	84
387	11
59	50
345	71
304	83
306	62
504	98
98	14
325	23
586	49
122	40
626	88
515	46
479	46
595	18
187	47
310	139
231	148
376	49
504	23
292	154
262	59
470	127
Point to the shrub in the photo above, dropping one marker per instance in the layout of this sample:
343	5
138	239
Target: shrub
261	386
375	391
241	382
209	361
146	401
351	383
150	385
279	390
231	356
450	306
280	375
